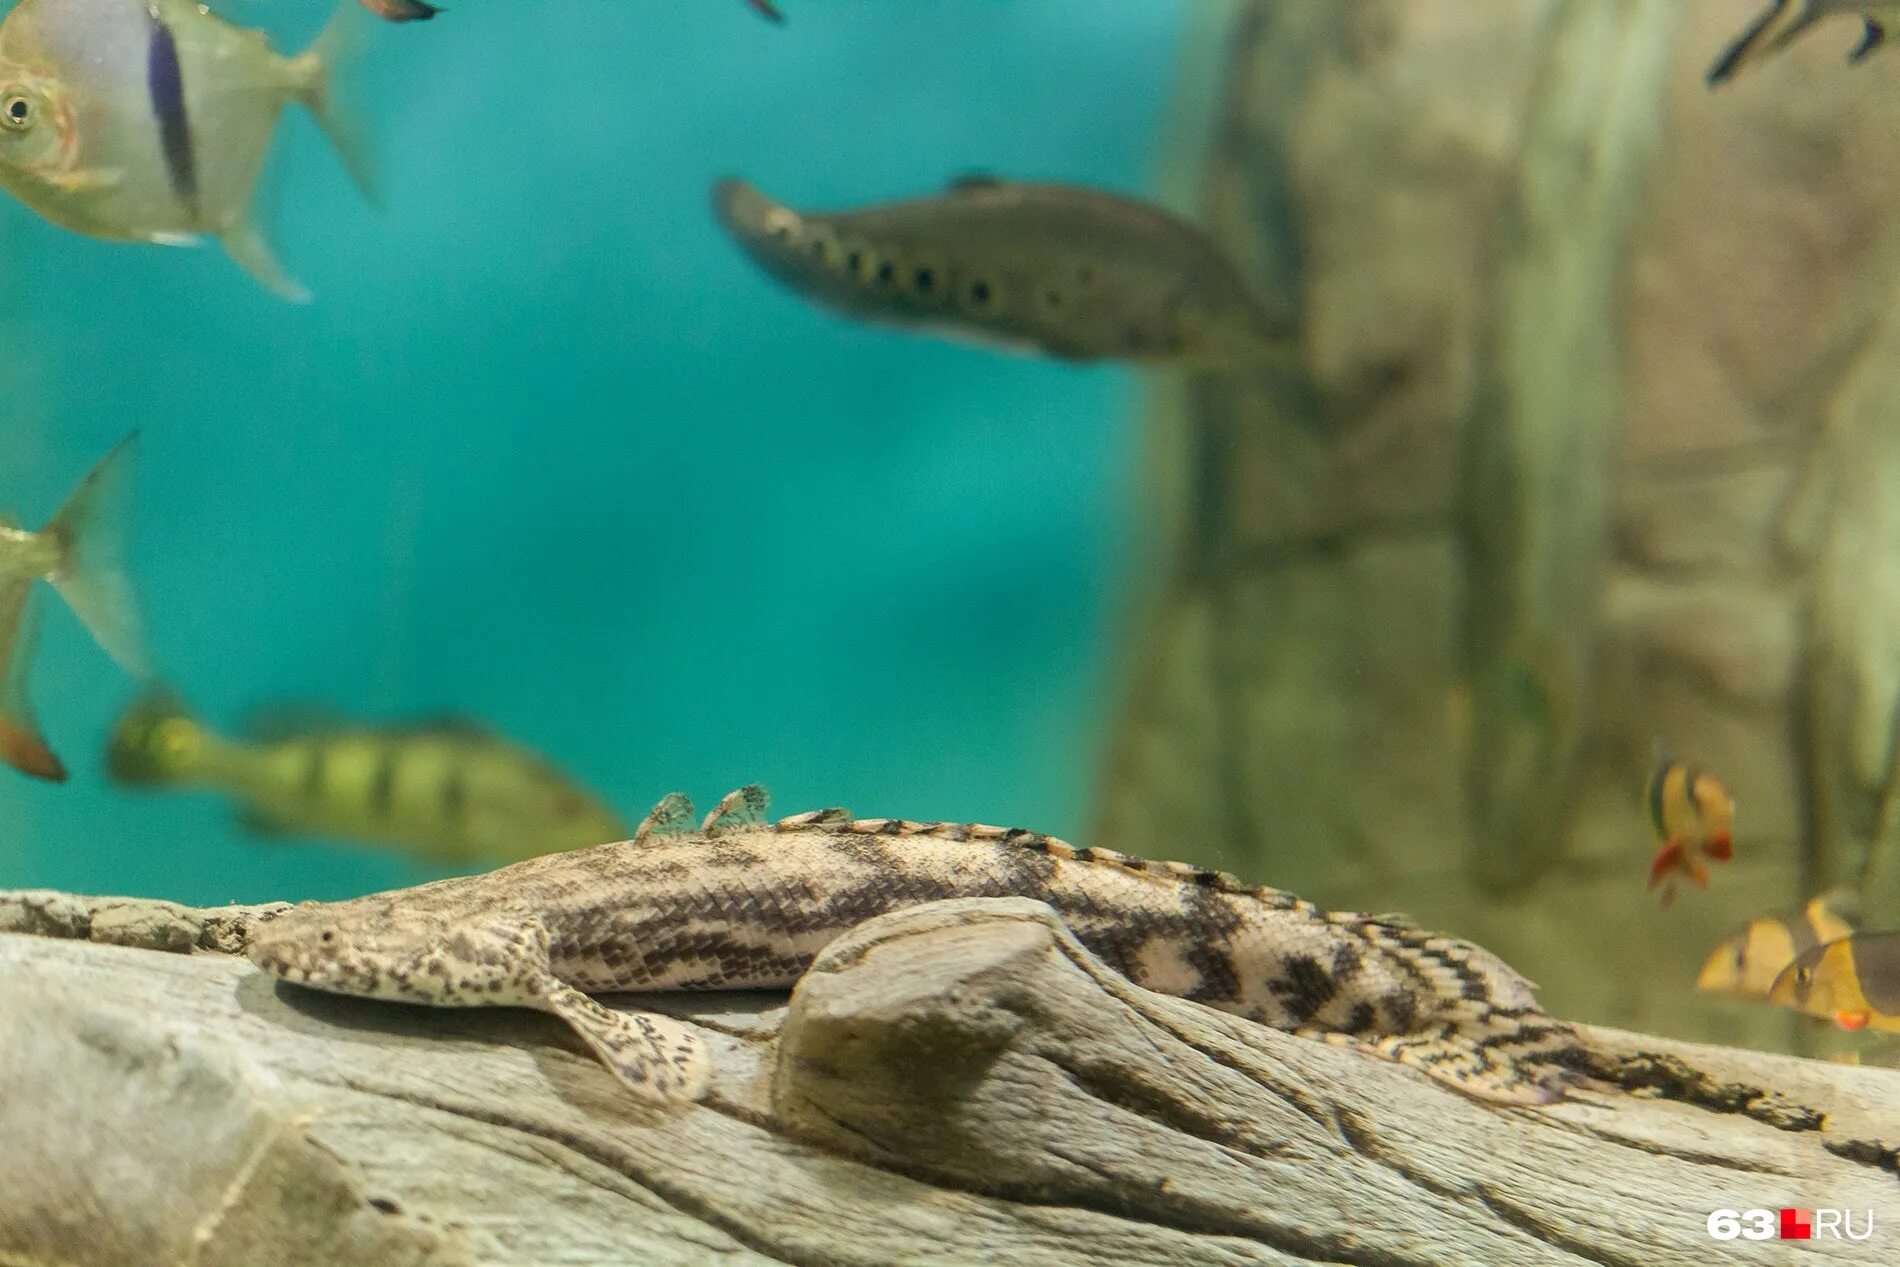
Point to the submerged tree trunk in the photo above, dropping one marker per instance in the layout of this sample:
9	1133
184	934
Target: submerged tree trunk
1601	452
959	1082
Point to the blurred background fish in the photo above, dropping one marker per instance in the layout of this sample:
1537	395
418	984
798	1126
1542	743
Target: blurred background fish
1855	982
1747	962
1786	20
81	552
447	790
1694	819
1075	273
401	10
149	120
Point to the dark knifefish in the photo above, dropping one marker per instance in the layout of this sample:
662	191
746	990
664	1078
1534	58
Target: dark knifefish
1069	272
1788	19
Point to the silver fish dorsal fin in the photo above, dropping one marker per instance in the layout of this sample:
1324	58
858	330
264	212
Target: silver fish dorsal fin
673	816
736	811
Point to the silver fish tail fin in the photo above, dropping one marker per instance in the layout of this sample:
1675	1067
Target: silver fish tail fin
1784	20
319	79
90	531
21	744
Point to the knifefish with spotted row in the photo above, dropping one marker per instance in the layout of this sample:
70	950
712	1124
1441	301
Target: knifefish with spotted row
449	791
741	905
149	120
1072	273
81	553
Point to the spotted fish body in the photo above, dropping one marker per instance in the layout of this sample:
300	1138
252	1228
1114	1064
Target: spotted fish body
1073	273
741	905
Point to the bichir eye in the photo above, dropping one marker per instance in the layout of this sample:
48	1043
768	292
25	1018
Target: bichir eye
16	112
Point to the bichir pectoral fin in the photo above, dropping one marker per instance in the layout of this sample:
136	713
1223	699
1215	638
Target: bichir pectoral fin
658	1058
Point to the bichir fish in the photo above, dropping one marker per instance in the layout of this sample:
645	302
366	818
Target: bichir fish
1746	962
81	552
1072	273
1785	20
1694	819
1854	982
451	792
149	120
742	905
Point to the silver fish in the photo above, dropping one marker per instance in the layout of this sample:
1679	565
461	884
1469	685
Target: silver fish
1073	273
148	120
1785	20
80	551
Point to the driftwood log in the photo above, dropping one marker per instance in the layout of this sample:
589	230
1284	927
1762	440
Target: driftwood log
953	1084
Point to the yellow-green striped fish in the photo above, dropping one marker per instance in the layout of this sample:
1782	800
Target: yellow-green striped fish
448	791
1072	273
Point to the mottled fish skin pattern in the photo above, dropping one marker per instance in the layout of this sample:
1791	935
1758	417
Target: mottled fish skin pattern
742	905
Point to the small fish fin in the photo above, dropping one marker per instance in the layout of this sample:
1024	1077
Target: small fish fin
736	811
1666	860
973	180
1872	38
90	529
766	9
401	10
816	818
1842	902
246	246
175	239
1720	846
1697	872
316	73
672	816
21	744
659	1059
1783	20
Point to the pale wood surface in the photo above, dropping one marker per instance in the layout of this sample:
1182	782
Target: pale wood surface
957	1083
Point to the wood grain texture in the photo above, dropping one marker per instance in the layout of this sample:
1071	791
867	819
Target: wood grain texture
959	1082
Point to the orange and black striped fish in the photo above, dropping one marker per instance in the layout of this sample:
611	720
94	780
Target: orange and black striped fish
1694	819
1746	962
1854	982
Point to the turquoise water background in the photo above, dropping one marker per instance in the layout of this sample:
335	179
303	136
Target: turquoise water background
548	453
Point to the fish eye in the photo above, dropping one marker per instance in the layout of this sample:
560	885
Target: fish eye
16	112
1803	975
1741	955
